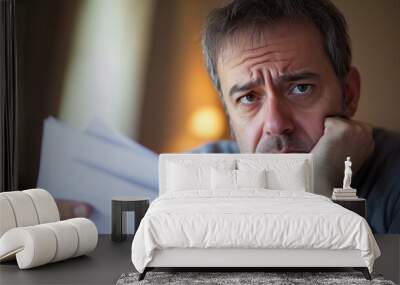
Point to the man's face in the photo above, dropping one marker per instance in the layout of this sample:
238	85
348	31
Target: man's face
278	86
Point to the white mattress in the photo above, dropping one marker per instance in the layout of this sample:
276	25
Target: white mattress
252	218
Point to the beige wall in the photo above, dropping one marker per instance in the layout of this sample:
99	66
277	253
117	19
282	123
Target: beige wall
177	82
108	60
374	28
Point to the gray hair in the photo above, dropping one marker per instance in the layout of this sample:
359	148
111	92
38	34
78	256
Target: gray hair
223	23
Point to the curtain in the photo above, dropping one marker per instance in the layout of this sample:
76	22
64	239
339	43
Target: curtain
8	96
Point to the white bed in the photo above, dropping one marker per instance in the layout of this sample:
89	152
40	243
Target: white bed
200	220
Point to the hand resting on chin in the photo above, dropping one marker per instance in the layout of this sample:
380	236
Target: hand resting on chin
341	138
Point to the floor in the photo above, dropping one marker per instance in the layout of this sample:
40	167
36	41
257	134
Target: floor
111	259
103	266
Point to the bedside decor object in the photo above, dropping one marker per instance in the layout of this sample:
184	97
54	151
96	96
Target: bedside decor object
345	193
31	231
347	174
121	205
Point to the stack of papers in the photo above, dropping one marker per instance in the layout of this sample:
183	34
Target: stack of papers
95	165
344	194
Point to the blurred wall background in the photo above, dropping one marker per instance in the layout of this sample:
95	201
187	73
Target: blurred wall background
74	63
374	28
45	29
107	64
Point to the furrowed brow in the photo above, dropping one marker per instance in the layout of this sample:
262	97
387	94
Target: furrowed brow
296	76
245	87
288	77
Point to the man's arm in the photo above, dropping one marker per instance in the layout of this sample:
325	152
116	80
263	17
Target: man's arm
341	138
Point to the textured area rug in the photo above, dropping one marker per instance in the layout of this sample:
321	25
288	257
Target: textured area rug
226	278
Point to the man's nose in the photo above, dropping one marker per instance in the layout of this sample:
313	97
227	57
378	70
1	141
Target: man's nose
277	117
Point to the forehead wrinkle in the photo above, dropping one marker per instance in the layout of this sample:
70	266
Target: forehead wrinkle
258	69
277	74
267	64
284	66
250	54
248	59
266	56
278	67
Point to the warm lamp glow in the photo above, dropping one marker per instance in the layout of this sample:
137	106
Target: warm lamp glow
207	123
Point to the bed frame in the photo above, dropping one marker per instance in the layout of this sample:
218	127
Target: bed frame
248	259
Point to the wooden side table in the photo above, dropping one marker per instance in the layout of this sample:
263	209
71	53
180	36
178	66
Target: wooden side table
357	205
121	205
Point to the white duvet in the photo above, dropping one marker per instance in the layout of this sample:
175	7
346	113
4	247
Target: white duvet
251	218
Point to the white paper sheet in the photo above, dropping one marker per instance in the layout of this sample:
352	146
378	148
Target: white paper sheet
99	129
78	166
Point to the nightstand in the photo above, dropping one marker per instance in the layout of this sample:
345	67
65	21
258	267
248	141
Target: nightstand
357	205
121	205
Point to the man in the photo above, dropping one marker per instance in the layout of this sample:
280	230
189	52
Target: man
283	71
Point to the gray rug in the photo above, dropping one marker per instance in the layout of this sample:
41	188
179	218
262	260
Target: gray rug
228	278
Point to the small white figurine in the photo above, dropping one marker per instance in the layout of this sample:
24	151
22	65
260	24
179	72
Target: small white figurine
347	174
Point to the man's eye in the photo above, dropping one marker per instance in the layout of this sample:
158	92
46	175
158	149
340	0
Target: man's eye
248	99
302	89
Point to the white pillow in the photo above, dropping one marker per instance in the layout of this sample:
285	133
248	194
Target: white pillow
291	174
223	179
193	174
290	179
235	179
251	178
181	178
